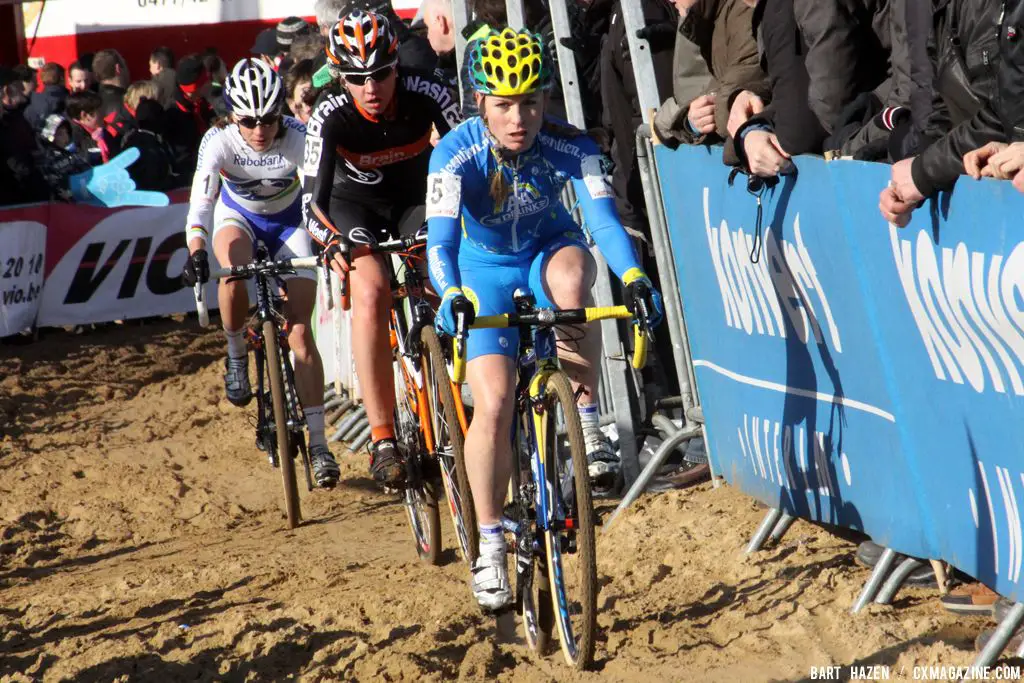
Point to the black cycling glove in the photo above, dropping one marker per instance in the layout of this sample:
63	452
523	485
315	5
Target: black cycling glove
197	269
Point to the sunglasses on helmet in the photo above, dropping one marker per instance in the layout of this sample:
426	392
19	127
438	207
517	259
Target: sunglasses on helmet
268	121
377	76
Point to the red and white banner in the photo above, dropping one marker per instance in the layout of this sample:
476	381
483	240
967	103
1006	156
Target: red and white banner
22	245
74	264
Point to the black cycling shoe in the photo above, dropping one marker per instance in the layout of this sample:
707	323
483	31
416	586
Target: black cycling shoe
236	381
325	468
386	463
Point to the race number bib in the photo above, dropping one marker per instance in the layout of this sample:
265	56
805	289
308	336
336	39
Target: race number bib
595	177
444	195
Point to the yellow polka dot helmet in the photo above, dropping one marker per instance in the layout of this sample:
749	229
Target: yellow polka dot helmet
509	63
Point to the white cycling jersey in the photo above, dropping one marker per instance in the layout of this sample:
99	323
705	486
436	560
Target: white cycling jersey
258	183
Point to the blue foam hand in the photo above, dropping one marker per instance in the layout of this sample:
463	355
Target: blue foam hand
110	185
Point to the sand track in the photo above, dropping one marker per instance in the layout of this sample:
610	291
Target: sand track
142	539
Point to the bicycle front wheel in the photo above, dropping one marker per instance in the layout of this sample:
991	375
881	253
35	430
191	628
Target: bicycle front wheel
571	552
448	444
284	449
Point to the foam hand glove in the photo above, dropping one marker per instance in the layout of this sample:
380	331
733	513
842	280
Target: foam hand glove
110	185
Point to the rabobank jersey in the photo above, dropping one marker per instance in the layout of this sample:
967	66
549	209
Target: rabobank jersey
262	183
461	212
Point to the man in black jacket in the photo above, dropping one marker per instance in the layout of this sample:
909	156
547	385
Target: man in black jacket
189	117
20	180
51	99
819	57
952	110
112	73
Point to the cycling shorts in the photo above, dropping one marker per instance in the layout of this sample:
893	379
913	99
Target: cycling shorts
490	284
365	224
281	232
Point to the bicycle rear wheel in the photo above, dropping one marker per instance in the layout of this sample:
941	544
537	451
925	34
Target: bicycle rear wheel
420	495
449	444
571	552
284	449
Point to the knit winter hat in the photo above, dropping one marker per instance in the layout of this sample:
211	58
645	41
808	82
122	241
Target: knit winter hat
291	28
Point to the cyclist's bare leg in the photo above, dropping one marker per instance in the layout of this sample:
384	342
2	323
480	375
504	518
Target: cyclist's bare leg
371	305
232	247
309	370
488	450
568	276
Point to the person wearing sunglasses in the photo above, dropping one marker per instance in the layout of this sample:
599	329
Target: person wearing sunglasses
367	150
246	186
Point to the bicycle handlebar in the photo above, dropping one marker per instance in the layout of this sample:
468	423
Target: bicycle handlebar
351	252
248	270
546	317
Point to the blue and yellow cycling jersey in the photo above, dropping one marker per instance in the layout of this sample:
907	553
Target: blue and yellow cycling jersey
466	224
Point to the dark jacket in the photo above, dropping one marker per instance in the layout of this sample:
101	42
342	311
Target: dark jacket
154	169
621	104
117	120
49	100
56	166
185	123
1010	101
820	56
951	107
20	179
166	85
721	30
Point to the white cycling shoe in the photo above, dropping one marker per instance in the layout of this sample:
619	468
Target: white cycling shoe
603	462
489	581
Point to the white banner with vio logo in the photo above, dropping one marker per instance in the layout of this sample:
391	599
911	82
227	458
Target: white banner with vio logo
22	247
854	373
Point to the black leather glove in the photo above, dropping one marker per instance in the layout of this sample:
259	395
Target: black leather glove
197	269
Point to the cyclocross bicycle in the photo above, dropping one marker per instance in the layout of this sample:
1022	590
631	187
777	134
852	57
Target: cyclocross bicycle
550	513
280	423
430	419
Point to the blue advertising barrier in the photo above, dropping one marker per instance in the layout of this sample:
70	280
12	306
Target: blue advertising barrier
855	373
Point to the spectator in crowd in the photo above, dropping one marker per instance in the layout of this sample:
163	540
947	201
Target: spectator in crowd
87	131
309	46
112	73
154	169
819	57
13	93
56	158
190	116
79	78
51	99
327	13
20	180
441	31
622	113
218	72
720	29
161	68
26	75
288	30
952	108
267	48
138	91
298	87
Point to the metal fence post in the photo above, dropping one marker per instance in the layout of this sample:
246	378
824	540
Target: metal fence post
460	14
640	55
514	14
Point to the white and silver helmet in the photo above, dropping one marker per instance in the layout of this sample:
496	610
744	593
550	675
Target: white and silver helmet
254	89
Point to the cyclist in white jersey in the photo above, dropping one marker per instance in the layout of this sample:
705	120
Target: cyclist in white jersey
247	187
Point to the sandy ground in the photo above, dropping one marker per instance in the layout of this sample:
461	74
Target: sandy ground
141	539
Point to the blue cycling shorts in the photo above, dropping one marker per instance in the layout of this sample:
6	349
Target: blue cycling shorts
490	285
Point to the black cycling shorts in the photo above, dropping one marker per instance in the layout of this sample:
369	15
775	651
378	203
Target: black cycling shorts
364	224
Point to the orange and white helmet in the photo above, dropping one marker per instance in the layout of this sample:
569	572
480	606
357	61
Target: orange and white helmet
361	43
